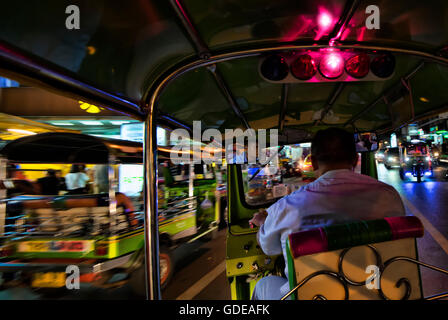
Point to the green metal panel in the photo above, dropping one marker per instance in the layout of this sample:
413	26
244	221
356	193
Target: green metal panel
242	252
117	246
368	164
178	223
238	213
291	271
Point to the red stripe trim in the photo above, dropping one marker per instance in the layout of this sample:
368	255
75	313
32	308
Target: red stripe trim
308	242
405	227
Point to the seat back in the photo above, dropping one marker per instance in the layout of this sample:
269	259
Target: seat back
49	221
365	260
69	216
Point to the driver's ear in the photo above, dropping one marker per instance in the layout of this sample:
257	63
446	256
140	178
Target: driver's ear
314	163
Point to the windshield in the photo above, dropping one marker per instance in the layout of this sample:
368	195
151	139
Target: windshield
284	174
417	150
266	183
393	151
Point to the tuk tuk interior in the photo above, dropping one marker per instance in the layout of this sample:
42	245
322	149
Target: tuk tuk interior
247	65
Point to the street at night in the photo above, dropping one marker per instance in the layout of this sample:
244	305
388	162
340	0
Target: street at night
220	150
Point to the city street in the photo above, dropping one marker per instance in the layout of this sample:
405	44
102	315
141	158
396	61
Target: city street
428	201
200	266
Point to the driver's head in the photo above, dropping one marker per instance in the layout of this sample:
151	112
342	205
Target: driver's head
333	149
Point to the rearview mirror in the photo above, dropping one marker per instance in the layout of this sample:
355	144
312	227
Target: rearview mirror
366	142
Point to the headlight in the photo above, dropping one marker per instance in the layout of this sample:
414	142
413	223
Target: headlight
428	158
406	159
436	154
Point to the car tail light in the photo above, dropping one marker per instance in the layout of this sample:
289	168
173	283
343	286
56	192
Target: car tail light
275	68
304	67
383	66
358	66
101	250
332	65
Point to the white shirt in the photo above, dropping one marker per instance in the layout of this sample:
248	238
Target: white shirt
336	197
76	180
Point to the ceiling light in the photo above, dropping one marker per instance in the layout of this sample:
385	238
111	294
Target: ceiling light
91	123
325	20
118	123
20	131
90	108
62	123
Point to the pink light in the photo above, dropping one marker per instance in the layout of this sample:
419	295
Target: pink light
325	20
299	28
324	23
361	34
345	34
332	65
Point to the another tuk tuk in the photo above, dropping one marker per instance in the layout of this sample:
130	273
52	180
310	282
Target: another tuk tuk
415	161
42	235
105	228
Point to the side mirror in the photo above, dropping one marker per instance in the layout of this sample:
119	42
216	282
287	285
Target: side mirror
366	142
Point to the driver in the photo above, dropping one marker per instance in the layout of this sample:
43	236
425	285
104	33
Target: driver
338	195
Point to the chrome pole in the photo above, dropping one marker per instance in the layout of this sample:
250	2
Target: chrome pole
151	215
3	194
113	216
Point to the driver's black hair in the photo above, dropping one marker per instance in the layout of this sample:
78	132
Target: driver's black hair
334	145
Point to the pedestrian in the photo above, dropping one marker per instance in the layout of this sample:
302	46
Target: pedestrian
76	180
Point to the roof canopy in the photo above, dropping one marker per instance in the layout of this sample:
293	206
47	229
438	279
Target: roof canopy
127	49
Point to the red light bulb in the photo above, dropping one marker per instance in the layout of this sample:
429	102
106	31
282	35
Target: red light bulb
332	65
274	68
358	66
304	67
